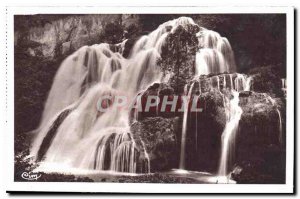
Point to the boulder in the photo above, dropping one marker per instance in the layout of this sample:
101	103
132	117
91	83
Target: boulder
160	136
260	121
204	130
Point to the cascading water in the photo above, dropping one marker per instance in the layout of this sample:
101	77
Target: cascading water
184	125
233	112
85	137
233	115
273	102
215	55
283	86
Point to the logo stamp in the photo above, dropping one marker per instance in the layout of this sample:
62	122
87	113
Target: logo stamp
30	176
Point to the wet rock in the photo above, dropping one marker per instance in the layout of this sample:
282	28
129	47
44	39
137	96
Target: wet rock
160	139
260	123
245	94
161	92
259	127
128	46
266	169
204	130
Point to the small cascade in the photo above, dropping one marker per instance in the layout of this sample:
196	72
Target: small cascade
280	138
215	54
238	82
273	102
147	163
231	82
218	82
242	83
283	83
283	86
124	157
157	104
115	151
187	94
196	133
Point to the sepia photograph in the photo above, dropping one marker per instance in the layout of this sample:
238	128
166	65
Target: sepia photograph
169	97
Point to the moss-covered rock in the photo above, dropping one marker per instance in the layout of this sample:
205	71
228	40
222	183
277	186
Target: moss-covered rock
267	80
160	139
178	56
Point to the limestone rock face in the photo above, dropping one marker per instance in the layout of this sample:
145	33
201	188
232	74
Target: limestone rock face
64	35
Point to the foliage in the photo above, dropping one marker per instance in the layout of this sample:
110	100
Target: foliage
266	79
112	33
33	79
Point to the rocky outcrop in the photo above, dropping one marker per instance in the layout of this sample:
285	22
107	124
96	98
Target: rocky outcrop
260	142
260	122
53	36
260	127
267	80
160	136
267	169
158	91
204	130
65	35
178	56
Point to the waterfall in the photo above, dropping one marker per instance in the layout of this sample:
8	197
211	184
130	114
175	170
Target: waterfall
84	137
234	112
215	54
233	115
283	83
74	133
283	86
184	125
273	102
146	156
231	82
242	83
124	158
196	133
280	127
